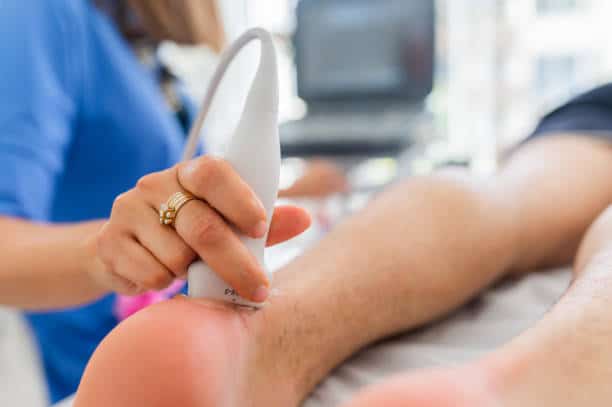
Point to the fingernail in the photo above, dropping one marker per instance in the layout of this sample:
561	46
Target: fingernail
260	229
261	294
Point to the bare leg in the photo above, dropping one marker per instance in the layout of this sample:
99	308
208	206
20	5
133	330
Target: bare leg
465	387
419	251
564	361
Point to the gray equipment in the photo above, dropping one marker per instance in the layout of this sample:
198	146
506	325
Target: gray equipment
364	69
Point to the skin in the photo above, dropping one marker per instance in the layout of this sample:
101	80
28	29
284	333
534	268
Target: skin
420	250
183	21
565	360
188	22
321	178
137	253
46	266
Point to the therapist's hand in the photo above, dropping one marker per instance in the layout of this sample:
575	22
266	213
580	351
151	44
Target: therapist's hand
136	253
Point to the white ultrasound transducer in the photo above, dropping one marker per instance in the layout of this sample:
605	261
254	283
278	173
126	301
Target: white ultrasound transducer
253	151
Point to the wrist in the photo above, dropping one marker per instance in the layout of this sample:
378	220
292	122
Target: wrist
88	259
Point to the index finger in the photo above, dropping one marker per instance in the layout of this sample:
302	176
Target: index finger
215	181
207	234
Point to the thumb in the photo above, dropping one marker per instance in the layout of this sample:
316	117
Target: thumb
287	222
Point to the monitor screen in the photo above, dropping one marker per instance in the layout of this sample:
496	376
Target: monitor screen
376	48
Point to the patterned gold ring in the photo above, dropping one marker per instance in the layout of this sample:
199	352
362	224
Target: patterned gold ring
169	211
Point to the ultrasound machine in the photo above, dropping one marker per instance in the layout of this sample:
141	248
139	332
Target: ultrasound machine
364	69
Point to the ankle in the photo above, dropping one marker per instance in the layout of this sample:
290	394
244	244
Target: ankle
275	361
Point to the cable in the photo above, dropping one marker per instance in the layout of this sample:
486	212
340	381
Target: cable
226	58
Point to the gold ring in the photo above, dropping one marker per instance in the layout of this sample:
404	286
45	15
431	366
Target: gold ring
168	211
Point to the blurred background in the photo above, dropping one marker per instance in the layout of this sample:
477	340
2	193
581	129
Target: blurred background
499	66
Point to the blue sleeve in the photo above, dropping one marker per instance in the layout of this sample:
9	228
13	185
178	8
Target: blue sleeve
589	114
37	107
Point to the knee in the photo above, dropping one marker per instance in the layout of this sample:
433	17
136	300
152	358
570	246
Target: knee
158	357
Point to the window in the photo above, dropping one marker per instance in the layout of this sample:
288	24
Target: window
557	6
556	77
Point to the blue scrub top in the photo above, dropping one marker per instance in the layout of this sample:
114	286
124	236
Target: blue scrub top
80	121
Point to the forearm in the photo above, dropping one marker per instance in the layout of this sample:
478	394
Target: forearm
46	266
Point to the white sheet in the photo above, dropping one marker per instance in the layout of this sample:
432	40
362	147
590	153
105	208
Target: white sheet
496	317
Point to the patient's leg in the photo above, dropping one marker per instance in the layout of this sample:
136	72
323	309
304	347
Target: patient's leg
417	252
564	361
462	387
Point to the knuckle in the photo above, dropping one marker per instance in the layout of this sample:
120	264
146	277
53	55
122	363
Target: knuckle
110	268
120	284
245	275
209	164
129	289
208	171
116	282
147	182
179	262
208	230
156	280
121	202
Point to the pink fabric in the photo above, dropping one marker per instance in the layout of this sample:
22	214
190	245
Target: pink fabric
126	306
